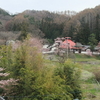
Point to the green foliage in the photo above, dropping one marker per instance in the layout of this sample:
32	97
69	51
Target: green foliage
26	16
70	72
1	90
51	29
31	20
6	56
3	12
24	30
83	32
92	41
50	41
1	23
16	27
97	28
71	32
37	80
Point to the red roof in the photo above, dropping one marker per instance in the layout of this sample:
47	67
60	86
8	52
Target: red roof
68	44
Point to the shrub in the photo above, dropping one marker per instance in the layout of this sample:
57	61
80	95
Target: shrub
70	72
97	74
37	80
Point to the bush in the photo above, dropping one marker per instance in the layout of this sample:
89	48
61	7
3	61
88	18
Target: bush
70	72
36	79
97	74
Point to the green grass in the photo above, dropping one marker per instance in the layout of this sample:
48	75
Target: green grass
90	89
83	57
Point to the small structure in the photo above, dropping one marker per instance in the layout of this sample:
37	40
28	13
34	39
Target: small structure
88	52
85	47
78	46
45	48
97	48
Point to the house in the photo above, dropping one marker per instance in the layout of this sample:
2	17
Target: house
67	43
61	45
97	48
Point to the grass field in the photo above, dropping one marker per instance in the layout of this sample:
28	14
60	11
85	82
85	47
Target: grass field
90	86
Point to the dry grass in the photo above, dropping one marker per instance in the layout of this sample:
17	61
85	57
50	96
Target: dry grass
85	75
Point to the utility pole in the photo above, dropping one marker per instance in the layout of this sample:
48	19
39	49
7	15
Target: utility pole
67	49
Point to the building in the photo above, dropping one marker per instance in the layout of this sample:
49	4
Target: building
67	43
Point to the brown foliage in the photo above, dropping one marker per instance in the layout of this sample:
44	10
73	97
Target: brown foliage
4	36
35	42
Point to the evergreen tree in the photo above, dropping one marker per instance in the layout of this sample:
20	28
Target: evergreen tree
71	32
51	29
97	27
24	30
92	41
83	33
70	72
72	76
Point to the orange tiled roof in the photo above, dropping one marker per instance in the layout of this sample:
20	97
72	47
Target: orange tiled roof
68	44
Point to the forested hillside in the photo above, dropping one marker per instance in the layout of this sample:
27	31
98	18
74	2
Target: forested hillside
4	17
84	24
50	25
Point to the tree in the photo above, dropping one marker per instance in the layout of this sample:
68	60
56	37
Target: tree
31	20
92	41
70	72
97	27
6	59
83	33
36	78
24	30
51	29
71	32
72	75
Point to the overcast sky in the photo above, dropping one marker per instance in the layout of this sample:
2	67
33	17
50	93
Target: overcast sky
17	6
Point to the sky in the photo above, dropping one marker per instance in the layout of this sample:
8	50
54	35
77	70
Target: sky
18	6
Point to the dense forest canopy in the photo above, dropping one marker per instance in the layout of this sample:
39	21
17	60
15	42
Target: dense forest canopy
49	25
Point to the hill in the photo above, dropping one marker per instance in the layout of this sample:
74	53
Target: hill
83	24
4	17
79	26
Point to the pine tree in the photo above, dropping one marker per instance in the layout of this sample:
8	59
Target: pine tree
83	33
